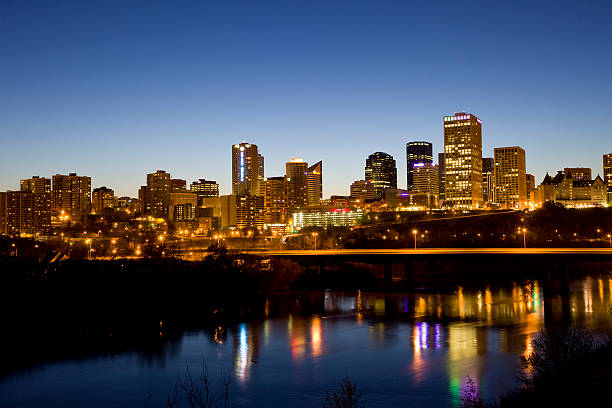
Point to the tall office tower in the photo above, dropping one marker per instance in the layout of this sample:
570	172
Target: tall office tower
607	169
416	152
101	198
71	194
157	194
358	189
488	180
261	175
530	182
245	169
178	185
275	201
295	181
204	188
426	179
314	184
510	176
36	184
25	212
380	173
578	173
463	161
441	176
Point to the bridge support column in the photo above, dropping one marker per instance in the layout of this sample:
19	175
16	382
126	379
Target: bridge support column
388	276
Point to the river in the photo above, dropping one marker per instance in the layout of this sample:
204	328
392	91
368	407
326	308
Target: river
409	350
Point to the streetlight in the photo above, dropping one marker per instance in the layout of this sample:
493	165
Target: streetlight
610	239
524	238
315	234
415	232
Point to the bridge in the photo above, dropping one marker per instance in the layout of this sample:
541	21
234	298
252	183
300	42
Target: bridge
552	267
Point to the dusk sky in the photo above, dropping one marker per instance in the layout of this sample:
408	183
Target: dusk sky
115	90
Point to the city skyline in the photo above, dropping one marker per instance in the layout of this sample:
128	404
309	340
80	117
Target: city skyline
81	94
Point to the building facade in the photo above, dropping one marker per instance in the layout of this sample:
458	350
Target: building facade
295	182
101	198
463	161
579	173
204	188
36	184
275	201
426	188
563	189
510	177
314	184
156	194
71	194
488	181
416	153
607	170
441	177
182	205
247	167
380	173
25	213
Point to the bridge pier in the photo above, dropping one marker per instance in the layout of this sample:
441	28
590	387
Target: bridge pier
388	276
556	282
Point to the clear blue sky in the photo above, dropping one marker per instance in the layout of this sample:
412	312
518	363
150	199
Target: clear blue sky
115	90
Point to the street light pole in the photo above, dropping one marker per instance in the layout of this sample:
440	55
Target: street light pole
610	239
524	238
414	232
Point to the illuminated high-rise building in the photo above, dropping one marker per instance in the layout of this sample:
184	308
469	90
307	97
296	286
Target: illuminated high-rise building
578	173
178	185
155	196
295	181
488	180
247	169
358	190
426	190
441	176
416	152
204	188
101	198
426	179
607	169
36	184
275	201
380	173
25	212
510	177
314	184
71	194
260	175
530	182
463	161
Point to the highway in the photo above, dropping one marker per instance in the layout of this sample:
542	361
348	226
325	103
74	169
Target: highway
437	251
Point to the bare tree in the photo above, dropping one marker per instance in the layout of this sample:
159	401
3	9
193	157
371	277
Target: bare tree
199	392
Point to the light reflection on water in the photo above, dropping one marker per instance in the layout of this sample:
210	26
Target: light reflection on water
409	350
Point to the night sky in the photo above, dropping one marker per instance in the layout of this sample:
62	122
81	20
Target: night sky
115	90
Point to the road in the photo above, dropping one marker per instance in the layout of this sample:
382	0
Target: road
437	251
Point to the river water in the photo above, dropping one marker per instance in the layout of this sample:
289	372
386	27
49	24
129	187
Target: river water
409	350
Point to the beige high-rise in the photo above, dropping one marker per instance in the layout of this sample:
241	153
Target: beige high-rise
510	177
463	161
